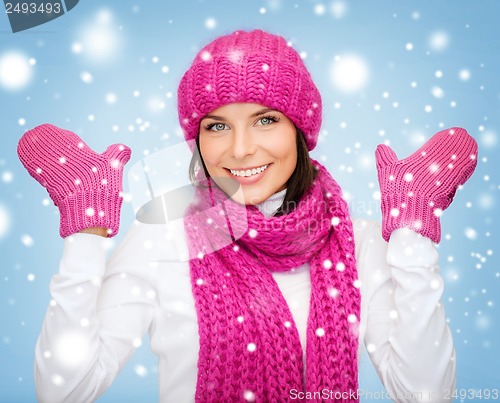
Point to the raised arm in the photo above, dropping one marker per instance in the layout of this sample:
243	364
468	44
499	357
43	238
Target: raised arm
406	334
95	318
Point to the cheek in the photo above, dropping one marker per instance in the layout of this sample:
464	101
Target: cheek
209	153
285	149
290	163
291	158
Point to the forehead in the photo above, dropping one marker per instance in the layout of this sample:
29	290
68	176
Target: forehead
238	109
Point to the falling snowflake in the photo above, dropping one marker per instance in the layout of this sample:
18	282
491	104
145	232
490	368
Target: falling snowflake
27	240
141	370
349	73
210	23
470	233
86	77
71	348
320	332
319	9
439	41
464	75
249	396
4	221
15	71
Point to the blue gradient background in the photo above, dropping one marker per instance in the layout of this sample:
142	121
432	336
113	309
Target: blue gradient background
172	32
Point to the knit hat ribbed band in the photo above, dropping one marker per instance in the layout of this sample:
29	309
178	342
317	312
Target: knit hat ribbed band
255	67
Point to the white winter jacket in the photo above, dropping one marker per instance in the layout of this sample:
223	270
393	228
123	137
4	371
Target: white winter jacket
100	311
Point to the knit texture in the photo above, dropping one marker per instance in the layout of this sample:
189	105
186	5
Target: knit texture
84	185
416	190
255	67
249	344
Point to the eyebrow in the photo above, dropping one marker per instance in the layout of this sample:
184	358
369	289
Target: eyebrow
254	115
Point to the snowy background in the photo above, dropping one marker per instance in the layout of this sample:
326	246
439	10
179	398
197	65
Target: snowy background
389	71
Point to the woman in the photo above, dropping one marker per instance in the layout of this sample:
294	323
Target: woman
281	288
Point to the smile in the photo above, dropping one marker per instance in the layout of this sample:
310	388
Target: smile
249	172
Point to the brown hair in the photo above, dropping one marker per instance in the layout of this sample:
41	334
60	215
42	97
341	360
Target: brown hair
301	179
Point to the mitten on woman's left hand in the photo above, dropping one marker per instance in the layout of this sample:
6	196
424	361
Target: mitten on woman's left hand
416	190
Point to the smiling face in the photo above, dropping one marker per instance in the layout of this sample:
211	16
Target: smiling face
250	144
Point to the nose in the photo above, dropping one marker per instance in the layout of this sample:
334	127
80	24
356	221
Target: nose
243	143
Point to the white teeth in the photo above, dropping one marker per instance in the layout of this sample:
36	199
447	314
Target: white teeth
249	172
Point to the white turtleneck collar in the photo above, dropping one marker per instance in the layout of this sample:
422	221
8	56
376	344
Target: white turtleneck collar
269	206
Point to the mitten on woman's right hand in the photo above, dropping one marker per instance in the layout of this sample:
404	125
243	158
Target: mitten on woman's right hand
84	185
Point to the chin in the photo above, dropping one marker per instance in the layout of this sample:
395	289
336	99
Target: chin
246	199
245	194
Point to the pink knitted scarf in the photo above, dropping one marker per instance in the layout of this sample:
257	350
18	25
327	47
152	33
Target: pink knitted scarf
249	343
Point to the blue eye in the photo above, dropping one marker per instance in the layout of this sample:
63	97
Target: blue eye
216	127
267	120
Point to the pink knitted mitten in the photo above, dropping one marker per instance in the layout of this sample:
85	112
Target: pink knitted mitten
84	185
416	190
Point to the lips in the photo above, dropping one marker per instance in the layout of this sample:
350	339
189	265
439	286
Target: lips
250	175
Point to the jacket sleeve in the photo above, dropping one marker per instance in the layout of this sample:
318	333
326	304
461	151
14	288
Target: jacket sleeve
96	318
406	335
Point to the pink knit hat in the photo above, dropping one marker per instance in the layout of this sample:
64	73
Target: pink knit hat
256	67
